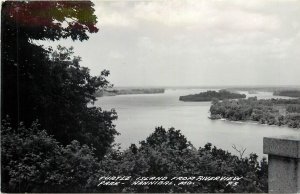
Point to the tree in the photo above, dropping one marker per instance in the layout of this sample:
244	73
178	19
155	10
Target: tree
70	89
51	86
167	153
22	61
33	161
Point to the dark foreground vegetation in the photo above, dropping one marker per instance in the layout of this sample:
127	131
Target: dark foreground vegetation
47	84
53	140
288	93
272	112
114	92
33	161
210	95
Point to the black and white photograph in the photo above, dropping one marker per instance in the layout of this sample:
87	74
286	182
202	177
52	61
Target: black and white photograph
150	96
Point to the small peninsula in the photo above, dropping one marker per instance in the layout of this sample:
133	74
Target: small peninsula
265	111
127	91
210	95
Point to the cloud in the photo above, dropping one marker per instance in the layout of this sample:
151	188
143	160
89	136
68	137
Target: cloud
113	13
200	14
194	42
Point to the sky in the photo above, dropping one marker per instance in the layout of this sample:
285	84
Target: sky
195	42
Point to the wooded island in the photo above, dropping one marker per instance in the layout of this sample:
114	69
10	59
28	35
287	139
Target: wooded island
210	95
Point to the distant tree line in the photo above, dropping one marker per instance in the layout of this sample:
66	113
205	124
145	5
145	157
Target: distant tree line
289	93
114	92
272	112
210	95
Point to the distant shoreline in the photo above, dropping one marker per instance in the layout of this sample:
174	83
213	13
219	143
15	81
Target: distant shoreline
238	87
116	92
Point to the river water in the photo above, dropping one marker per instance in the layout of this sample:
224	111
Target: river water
138	115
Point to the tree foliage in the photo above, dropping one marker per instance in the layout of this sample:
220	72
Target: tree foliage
212	95
24	64
167	153
51	86
33	161
52	20
272	112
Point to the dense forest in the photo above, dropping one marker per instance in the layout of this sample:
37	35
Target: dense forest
289	93
210	95
272	112
54	140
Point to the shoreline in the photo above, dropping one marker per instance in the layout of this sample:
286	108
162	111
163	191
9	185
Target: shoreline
252	122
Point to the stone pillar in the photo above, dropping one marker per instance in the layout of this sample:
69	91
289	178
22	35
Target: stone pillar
284	164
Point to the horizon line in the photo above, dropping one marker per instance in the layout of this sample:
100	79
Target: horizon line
204	86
